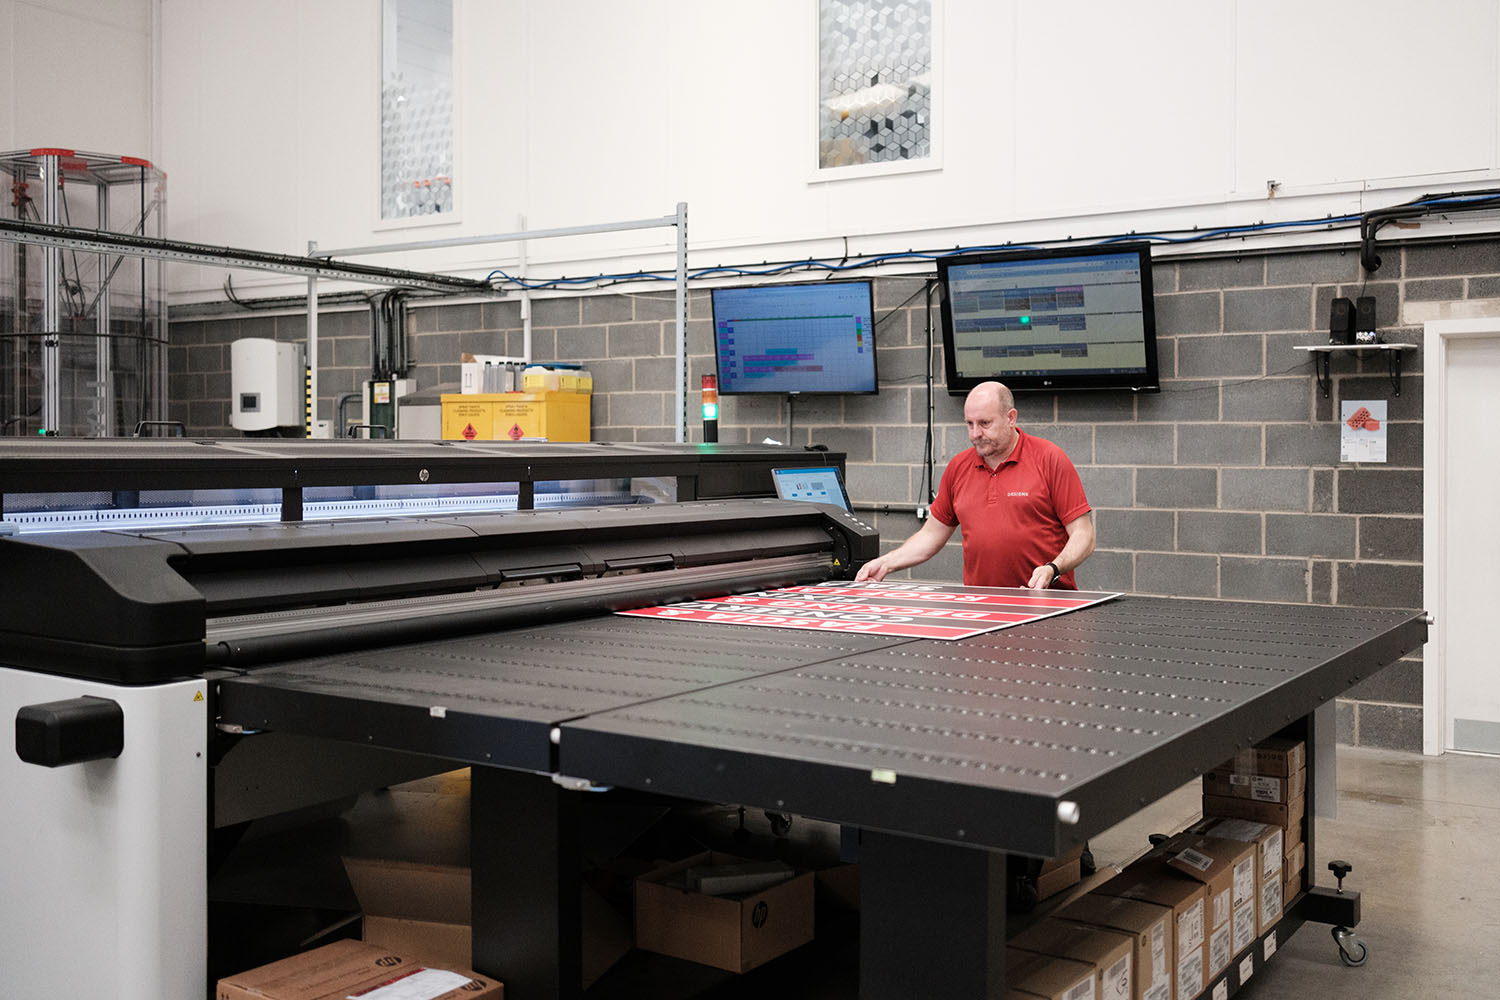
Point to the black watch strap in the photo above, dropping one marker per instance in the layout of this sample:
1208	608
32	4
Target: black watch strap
1056	573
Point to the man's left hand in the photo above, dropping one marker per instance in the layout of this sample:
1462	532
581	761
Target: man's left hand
1041	578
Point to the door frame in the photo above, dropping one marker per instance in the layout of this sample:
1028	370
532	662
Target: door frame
1436	336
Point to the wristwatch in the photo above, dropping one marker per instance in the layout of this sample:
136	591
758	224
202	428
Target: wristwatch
1055	573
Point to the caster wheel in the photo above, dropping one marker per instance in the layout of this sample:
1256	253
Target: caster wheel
780	823
1352	951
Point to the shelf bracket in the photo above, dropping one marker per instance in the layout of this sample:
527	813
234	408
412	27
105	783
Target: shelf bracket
1322	364
1394	359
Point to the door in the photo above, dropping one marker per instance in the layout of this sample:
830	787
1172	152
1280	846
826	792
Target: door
1461	675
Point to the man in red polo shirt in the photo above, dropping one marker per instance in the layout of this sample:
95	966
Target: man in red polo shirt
1026	521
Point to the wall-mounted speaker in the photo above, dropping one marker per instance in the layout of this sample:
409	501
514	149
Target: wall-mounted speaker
1341	322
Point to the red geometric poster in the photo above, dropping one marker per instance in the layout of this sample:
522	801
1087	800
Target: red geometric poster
917	610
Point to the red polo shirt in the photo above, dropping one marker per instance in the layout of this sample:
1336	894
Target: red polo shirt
1012	519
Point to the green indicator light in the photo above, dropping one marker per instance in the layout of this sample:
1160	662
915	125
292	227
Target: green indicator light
710	411
1025	320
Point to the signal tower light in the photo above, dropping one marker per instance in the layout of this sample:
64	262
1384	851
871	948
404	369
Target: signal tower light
710	408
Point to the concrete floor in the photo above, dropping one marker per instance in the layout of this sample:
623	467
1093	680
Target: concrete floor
1423	835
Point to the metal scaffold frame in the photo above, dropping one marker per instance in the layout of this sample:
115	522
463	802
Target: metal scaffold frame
678	220
319	265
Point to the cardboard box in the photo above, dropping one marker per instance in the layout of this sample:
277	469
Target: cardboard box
1147	924
337	970
424	910
1267	840
1259	787
1227	869
1049	976
1278	756
734	933
1287	815
416	909
1052	881
1153	881
553	416
1295	858
1110	952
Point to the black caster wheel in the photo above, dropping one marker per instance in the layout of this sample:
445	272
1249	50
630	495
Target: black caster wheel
780	823
1352	951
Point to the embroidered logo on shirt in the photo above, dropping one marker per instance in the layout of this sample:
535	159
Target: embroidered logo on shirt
1018	493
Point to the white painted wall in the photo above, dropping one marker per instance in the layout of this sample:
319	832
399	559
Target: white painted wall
1070	117
76	74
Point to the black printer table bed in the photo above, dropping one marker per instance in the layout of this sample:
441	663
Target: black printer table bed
944	754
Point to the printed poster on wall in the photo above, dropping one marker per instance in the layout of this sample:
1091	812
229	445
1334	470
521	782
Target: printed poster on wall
1362	435
917	610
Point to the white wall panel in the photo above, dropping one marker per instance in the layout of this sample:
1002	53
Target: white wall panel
1073	118
79	75
1350	90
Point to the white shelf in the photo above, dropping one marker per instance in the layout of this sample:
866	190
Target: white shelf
1323	359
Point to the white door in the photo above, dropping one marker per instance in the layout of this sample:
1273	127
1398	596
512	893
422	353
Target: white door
1461	675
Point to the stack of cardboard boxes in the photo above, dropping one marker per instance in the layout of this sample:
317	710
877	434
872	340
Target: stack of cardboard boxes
1266	784
1171	923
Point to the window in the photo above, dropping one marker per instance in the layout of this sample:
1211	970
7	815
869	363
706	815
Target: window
416	102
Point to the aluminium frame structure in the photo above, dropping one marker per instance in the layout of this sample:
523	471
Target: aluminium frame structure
678	220
319	264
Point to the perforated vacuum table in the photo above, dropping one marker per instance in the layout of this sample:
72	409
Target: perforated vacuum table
943	754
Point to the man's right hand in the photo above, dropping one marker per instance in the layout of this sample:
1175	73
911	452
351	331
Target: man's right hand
875	569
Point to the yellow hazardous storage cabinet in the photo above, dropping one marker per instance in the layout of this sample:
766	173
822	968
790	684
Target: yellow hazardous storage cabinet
552	416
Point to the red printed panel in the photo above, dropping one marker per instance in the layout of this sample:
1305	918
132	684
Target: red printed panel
923	611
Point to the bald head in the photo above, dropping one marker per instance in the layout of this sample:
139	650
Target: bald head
990	416
989	395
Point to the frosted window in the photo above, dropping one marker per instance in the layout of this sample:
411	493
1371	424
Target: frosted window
416	101
874	81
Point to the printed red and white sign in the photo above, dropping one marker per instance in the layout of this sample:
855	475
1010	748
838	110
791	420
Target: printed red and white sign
922	611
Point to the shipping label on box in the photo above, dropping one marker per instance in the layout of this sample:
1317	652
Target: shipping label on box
1259	787
1190	972
1270	904
1244	924
1220	947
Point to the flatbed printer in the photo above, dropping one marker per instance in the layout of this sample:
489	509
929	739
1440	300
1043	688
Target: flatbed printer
485	639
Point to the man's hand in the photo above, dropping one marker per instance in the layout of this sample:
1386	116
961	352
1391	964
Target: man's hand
875	569
1041	578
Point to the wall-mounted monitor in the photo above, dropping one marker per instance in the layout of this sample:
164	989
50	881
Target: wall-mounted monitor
1050	320
797	339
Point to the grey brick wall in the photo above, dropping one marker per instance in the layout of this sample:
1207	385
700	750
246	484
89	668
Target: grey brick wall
1227	484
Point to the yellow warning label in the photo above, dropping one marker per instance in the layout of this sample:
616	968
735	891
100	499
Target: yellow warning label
197	695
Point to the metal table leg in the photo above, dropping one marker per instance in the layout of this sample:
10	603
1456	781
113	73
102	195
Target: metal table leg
933	920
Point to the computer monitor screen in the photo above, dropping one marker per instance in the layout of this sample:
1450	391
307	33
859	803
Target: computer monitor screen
816	485
1049	320
795	339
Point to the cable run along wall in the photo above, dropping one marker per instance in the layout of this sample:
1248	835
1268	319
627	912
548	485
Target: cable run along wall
678	220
